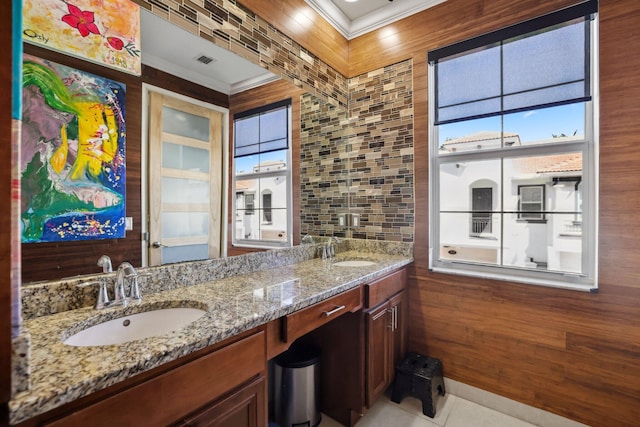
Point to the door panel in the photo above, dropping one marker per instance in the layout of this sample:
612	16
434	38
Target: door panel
185	178
377	352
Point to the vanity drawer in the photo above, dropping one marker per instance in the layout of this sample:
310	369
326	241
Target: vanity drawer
302	321
382	289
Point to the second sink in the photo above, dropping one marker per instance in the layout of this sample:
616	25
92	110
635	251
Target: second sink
354	263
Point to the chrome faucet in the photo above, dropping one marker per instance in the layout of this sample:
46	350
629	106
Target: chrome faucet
331	246
125	271
103	295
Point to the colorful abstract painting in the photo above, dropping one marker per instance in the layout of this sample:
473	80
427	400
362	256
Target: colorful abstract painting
72	156
102	31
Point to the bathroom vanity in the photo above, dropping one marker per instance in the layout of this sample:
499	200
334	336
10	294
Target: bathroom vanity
214	371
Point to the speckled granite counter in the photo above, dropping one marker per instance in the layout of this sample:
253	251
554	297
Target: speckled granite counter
61	373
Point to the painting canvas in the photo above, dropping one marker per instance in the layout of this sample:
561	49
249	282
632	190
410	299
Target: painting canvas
102	31
72	154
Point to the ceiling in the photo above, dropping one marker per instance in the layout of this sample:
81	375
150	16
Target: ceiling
169	48
355	18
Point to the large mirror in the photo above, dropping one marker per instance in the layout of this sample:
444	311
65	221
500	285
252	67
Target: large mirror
323	136
324	145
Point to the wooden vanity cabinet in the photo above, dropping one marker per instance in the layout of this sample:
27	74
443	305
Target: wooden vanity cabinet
243	408
221	387
385	332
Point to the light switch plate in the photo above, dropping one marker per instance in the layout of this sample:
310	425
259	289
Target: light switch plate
128	226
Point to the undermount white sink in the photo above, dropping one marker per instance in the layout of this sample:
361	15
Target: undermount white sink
135	326
354	263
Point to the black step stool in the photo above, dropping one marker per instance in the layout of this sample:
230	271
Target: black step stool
420	376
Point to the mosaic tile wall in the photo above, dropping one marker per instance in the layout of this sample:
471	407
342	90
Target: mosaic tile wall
364	164
232	26
381	140
324	167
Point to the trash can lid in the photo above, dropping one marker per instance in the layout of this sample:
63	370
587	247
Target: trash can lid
299	356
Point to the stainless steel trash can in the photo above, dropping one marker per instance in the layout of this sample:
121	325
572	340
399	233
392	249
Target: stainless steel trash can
297	387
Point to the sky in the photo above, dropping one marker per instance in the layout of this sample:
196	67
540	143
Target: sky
534	125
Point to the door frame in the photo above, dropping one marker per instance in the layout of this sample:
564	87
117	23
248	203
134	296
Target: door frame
144	191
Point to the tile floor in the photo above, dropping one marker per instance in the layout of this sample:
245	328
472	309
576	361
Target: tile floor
451	411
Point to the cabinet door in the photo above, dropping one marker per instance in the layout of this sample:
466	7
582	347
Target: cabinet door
398	333
377	352
244	408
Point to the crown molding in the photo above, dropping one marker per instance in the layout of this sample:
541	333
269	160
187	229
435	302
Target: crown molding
386	15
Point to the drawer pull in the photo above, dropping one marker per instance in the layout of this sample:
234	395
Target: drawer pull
334	311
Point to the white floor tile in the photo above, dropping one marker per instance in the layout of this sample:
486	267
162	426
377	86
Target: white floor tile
388	414
468	414
456	411
327	421
413	405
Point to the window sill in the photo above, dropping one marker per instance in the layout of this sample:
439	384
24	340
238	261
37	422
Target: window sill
483	236
531	221
551	283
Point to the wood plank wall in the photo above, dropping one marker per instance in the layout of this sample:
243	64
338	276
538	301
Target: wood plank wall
47	261
5	209
574	354
253	98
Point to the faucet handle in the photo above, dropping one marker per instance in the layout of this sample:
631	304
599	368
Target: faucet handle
103	297
134	290
103	294
119	296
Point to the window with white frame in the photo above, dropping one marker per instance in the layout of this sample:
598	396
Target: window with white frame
262	176
517	108
531	202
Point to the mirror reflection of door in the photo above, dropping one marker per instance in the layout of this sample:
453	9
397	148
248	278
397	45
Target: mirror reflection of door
185	180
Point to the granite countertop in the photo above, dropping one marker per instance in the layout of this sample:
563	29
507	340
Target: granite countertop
62	373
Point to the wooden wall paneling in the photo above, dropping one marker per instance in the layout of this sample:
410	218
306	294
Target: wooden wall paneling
253	98
571	353
5	207
175	84
298	20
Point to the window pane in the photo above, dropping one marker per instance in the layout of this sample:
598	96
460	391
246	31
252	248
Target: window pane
469	78
184	253
183	157
459	180
540	68
459	242
546	59
247	131
185	224
275	160
180	190
273	125
548	125
561	175
277	229
277	144
185	124
468	135
554	245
